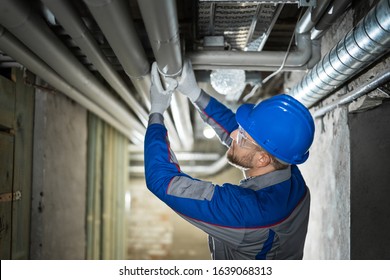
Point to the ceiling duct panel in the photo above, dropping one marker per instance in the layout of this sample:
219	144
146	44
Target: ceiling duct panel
239	23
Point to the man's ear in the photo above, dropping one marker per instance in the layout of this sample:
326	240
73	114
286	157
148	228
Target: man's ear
262	159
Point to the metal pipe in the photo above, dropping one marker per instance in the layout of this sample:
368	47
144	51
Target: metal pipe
114	19
266	60
205	60
315	54
364	44
9	64
14	48
181	114
161	22
319	10
71	21
194	170
335	9
306	23
120	32
162	26
380	79
17	16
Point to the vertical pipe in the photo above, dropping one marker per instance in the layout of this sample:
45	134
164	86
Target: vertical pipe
122	36
161	22
162	26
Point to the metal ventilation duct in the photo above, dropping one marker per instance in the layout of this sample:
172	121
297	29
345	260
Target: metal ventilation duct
364	44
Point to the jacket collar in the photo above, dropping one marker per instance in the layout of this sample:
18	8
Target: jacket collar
266	180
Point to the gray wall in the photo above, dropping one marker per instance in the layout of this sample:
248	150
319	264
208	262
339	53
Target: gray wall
59	178
370	177
328	170
327	175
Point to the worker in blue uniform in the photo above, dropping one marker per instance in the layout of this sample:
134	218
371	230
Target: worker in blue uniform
266	215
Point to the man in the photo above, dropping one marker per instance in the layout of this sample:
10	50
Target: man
266	215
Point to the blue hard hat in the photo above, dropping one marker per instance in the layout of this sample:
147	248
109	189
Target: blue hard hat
281	125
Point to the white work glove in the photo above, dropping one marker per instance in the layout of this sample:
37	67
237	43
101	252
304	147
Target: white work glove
160	98
187	83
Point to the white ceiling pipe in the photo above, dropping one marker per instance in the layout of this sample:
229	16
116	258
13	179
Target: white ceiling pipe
251	60
114	19
181	114
195	170
18	17
162	25
71	21
161	22
300	59
14	48
364	44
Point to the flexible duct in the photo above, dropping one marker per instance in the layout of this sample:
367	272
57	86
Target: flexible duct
18	17
14	48
71	21
364	44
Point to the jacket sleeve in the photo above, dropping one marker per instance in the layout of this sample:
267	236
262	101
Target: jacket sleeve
218	116
202	202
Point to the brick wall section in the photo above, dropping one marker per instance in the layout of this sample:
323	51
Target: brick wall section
155	232
150	228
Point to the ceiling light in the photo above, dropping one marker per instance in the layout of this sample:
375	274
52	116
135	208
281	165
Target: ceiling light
228	81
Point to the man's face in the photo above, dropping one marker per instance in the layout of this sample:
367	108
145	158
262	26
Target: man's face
241	152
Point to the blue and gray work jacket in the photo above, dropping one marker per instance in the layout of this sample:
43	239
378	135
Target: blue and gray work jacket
264	217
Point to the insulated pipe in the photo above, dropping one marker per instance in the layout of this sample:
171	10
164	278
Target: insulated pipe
194	170
204	60
17	16
335	9
161	22
365	43
14	48
162	26
114	19
71	21
319	10
267	60
306	23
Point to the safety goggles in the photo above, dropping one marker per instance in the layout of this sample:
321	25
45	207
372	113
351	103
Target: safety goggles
244	142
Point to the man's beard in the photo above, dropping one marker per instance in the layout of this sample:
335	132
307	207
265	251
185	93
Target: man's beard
242	162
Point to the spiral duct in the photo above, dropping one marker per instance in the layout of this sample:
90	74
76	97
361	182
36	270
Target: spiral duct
365	43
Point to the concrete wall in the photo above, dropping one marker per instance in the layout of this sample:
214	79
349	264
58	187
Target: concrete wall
327	174
59	178
328	170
